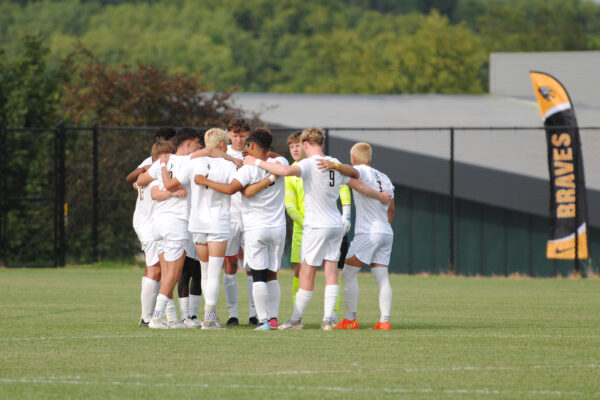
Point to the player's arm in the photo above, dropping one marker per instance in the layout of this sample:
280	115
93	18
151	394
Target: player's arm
390	211
259	186
160	195
346	200
133	175
291	202
274	168
143	179
367	190
272	154
225	188
344	169
216	153
168	181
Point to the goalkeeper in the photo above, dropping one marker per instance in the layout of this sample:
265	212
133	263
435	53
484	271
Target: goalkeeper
294	205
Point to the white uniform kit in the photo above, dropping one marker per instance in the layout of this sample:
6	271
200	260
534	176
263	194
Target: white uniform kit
373	235
170	225
323	229
235	240
263	218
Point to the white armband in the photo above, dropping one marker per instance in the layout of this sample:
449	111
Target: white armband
257	162
272	178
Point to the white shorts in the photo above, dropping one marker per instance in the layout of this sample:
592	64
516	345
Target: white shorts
235	240
151	250
263	248
372	248
320	244
172	235
203	238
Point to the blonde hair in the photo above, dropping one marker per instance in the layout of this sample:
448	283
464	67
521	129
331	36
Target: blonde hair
361	152
313	136
294	137
214	136
162	146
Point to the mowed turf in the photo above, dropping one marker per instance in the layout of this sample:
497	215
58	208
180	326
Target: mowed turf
72	333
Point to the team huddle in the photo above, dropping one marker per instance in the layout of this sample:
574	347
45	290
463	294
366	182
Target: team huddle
217	200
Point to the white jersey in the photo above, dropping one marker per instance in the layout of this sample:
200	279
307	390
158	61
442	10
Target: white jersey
236	198
371	214
142	216
146	162
209	209
265	209
321	191
173	207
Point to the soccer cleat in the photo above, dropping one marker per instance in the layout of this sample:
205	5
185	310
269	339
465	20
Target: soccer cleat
191	322
263	327
143	324
211	325
347	324
291	325
177	325
233	321
382	326
253	321
157	324
273	323
326	325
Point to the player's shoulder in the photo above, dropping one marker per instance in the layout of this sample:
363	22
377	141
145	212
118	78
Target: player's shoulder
279	159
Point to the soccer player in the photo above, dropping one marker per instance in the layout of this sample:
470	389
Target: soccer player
323	229
164	132
294	205
209	220
239	130
142	224
263	216
373	237
170	227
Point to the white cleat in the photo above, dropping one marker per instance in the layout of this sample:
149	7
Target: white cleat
157	324
191	322
211	325
177	325
327	325
291	325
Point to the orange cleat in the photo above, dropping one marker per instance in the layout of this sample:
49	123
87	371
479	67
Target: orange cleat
382	326
347	324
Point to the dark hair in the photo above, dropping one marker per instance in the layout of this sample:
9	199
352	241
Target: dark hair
262	137
201	133
238	125
186	134
164	132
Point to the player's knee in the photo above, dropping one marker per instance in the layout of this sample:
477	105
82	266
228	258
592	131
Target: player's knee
259	275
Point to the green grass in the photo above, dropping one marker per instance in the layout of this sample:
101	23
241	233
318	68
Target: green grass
72	333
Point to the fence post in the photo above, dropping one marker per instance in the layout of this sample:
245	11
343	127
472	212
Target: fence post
61	211
452	202
95	201
326	147
3	205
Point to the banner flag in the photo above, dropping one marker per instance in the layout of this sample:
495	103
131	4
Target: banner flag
568	204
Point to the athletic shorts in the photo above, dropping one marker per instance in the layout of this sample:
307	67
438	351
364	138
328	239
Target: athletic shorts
203	238
172	235
320	244
151	251
372	248
263	248
296	243
235	240
190	249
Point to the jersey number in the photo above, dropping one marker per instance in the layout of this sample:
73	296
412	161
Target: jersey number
380	188
141	190
207	178
331	178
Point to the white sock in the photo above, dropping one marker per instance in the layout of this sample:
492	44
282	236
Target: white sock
274	298
331	295
211	295
302	299
171	311
261	300
385	292
161	306
148	297
251	308
350	278
203	276
230	284
184	306
195	302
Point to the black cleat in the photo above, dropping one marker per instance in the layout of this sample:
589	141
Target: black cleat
253	321
143	324
233	321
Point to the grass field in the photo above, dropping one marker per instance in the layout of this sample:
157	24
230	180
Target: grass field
72	333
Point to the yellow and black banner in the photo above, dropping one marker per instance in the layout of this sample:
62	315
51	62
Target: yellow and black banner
568	205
